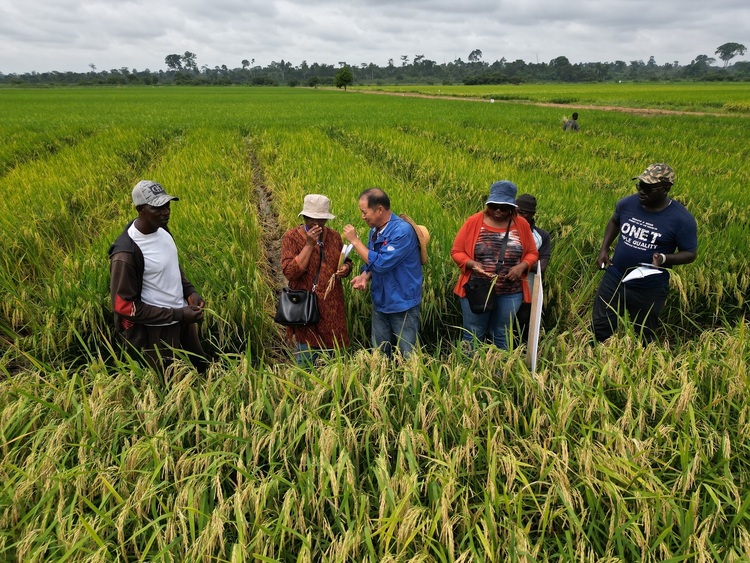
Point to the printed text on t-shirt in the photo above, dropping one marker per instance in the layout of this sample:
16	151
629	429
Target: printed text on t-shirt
639	234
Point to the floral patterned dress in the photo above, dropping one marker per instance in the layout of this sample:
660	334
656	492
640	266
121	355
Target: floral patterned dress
331	331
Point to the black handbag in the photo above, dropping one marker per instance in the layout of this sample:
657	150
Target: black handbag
479	292
299	307
480	289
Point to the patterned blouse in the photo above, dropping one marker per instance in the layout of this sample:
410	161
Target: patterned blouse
487	253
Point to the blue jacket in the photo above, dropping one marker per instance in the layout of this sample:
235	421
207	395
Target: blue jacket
395	266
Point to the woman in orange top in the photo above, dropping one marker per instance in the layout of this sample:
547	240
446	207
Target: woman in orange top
476	250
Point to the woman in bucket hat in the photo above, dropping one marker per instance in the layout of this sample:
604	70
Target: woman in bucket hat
300	259
482	249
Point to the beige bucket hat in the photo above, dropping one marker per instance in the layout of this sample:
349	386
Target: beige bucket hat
317	206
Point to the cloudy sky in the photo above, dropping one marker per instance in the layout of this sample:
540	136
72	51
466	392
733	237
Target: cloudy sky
69	35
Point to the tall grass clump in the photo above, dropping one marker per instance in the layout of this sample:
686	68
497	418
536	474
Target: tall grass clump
610	452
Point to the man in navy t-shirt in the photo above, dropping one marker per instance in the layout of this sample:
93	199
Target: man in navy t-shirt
653	230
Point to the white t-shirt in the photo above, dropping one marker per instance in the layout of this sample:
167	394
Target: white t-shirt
162	282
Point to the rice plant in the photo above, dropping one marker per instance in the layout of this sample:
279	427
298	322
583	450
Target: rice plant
614	452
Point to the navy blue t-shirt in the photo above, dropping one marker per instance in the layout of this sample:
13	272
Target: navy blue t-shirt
644	232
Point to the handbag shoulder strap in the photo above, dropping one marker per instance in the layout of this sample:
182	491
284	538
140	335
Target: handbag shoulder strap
501	258
317	274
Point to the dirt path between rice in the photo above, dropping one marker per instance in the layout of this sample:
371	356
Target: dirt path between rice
271	229
637	111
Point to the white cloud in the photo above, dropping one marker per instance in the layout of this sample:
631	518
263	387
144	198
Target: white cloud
69	34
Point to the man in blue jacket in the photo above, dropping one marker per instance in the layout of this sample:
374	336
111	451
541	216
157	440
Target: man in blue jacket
393	265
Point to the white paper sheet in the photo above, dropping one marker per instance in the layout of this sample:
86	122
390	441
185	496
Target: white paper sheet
641	272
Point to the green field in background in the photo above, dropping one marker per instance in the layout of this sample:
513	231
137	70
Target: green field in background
84	149
697	97
609	452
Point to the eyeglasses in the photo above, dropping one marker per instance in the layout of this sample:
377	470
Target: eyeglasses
500	207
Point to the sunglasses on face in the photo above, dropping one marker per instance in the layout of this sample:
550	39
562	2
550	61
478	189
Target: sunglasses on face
648	188
500	207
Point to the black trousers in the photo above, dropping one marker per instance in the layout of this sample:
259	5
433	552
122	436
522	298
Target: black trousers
164	340
614	299
523	316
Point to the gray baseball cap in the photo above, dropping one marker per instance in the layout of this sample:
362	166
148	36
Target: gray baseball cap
147	192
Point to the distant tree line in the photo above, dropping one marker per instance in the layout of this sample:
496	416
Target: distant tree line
185	70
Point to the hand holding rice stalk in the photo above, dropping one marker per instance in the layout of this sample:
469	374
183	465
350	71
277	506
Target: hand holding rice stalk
342	258
492	288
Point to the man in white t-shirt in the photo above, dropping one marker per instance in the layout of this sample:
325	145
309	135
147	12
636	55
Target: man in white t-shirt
155	307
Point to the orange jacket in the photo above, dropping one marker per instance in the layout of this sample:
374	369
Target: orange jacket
466	240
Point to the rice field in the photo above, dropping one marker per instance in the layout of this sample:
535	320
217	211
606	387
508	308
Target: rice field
670	96
614	452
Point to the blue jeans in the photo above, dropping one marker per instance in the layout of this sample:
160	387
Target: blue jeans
396	329
498	322
306	356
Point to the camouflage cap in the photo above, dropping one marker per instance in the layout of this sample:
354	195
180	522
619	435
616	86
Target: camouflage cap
657	174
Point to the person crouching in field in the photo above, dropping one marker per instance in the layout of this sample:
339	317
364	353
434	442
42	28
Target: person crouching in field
155	307
654	230
572	123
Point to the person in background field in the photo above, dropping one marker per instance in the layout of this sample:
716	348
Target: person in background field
155	307
476	251
572	123
393	256
653	229
527	209
300	259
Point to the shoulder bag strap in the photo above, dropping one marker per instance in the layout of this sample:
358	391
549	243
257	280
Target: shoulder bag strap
504	244
317	274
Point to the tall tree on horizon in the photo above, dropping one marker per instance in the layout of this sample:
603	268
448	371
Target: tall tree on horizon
173	61
189	60
343	78
728	51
